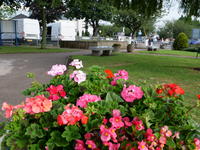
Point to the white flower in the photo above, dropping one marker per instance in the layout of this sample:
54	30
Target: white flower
57	70
76	63
78	75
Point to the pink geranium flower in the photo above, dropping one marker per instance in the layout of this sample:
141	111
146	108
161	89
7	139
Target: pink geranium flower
71	116
121	74
116	120
142	145
76	63
8	109
113	146
88	136
37	104
131	93
138	124
127	122
105	134
162	140
91	144
80	145
78	76
57	70
87	98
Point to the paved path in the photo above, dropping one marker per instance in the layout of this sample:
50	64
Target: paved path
13	69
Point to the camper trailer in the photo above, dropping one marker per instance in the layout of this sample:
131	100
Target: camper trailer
19	30
64	30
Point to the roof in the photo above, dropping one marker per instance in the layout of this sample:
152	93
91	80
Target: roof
20	16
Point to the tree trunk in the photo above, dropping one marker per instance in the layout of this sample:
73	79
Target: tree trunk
44	29
95	31
95	26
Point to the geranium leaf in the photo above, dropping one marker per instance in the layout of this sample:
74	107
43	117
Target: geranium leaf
71	133
58	140
113	97
34	130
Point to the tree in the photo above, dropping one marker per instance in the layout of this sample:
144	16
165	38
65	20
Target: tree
7	7
11	3
181	41
5	11
147	7
45	11
91	10
191	7
173	28
132	19
110	31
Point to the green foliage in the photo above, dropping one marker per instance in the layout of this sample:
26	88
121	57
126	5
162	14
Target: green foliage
109	31
71	133
5	12
90	10
181	42
173	28
134	20
34	131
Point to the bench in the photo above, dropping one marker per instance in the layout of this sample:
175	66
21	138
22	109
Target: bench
101	50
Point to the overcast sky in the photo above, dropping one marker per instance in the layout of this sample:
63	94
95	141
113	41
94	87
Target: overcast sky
173	14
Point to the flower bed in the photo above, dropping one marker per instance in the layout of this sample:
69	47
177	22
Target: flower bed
98	111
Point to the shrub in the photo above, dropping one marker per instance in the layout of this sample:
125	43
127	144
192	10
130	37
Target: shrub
181	42
116	45
99	111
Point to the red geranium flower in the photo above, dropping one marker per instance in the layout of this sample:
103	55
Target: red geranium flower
109	73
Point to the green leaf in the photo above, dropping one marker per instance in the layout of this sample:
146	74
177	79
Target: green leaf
34	147
34	130
171	143
93	123
71	133
58	139
113	97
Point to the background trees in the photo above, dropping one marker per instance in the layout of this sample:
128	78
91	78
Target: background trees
91	10
173	28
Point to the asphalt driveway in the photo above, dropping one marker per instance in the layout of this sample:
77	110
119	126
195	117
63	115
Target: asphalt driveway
13	69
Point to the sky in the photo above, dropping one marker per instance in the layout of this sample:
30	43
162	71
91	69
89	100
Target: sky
173	14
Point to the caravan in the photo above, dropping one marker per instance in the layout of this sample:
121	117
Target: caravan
19	30
65	30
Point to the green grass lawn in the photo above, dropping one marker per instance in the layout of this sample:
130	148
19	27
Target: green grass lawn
155	69
31	49
170	52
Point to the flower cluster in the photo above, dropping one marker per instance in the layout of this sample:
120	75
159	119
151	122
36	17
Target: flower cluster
197	143
37	104
131	93
96	115
87	98
57	70
170	90
56	92
121	74
71	116
78	76
8	109
76	63
33	105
